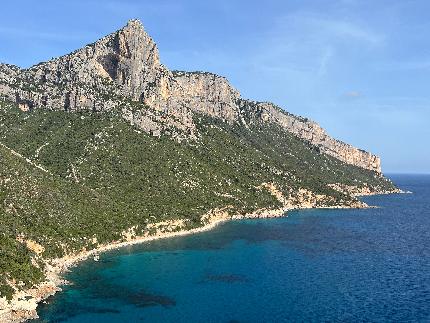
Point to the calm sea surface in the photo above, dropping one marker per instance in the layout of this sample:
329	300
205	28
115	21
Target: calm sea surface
315	265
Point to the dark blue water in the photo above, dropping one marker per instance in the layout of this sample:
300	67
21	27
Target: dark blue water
316	265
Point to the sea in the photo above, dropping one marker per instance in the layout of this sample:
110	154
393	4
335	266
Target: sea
369	265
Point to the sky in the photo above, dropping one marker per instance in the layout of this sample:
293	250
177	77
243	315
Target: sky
360	68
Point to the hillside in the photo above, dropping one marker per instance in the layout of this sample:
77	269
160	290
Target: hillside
106	142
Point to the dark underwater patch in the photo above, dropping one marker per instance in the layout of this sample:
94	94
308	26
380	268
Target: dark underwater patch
226	278
144	299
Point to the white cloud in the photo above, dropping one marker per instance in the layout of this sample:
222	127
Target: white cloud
353	94
330	28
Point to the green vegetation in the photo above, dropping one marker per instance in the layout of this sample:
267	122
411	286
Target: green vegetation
105	176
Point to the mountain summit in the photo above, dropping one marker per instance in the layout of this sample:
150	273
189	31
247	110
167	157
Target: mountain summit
105	146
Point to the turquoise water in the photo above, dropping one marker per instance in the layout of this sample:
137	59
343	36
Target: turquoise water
315	265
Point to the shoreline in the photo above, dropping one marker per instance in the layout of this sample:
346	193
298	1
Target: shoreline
23	307
397	191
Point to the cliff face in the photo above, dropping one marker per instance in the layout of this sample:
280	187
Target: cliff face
122	72
313	133
208	94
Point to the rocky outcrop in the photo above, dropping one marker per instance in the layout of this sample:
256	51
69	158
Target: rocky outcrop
122	73
364	190
24	303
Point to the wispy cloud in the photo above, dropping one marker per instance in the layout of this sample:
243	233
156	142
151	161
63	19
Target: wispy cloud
309	42
40	35
404	65
353	94
331	28
326	56
349	31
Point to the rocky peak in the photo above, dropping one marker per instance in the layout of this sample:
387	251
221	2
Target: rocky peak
128	57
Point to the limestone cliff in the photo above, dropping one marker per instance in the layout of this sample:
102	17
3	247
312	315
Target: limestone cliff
313	133
122	73
207	93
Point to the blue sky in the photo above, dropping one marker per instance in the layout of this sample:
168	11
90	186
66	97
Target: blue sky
359	68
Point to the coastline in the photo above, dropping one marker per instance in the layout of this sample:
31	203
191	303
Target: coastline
396	191
23	307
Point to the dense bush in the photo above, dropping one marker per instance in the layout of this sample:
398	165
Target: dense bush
105	176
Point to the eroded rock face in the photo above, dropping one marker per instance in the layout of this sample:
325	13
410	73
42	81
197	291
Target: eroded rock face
207	93
122	72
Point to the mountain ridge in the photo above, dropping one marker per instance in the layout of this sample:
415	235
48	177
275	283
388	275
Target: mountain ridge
126	64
